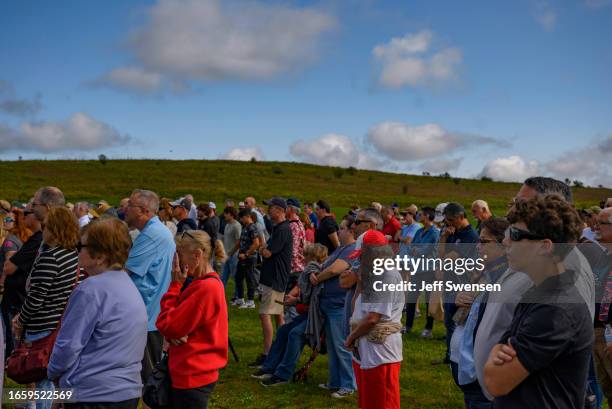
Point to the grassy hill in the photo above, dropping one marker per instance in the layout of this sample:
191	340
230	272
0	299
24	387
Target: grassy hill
218	180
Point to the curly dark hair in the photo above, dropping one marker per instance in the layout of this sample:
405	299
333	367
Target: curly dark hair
496	226
551	217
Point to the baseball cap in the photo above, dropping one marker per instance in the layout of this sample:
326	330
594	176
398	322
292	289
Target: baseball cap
292	201
212	205
182	202
5	206
369	238
440	212
240	205
276	201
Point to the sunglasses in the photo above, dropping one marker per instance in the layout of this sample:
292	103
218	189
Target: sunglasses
359	221
186	233
515	234
27	213
8	220
80	246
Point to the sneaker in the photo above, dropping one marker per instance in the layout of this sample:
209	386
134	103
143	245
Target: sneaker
405	330
325	386
274	381
258	362
238	302
261	375
426	334
342	393
248	304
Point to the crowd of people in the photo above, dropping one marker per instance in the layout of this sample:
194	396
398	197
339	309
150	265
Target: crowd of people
121	286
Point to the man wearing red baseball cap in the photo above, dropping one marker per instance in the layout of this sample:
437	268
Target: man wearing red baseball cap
375	338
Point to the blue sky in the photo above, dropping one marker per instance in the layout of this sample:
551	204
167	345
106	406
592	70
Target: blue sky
506	89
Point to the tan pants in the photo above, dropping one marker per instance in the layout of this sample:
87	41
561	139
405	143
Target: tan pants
603	364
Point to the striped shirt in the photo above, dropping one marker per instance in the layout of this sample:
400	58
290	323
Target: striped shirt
51	282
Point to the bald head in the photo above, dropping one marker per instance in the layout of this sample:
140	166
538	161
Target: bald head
250	202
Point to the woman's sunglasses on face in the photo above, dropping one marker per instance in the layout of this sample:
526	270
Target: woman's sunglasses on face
8	220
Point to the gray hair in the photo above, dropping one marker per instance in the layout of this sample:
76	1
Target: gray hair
149	199
545	186
51	196
481	204
372	214
84	205
189	199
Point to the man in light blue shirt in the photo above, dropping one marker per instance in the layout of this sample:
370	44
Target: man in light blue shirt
409	229
149	265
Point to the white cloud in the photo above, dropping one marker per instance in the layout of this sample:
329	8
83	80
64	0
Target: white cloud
333	150
408	61
132	78
80	132
244	154
211	40
409	44
545	14
403	142
592	164
510	169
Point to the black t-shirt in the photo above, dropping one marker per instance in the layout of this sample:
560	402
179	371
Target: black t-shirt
211	226
327	226
186	224
14	285
552	333
276	268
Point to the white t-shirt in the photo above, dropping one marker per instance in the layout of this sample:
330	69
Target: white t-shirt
372	355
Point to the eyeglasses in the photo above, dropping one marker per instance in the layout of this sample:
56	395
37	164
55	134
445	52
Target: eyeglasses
515	234
80	246
8	220
359	221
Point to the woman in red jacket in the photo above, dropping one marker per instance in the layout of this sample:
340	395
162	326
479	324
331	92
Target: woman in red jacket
193	319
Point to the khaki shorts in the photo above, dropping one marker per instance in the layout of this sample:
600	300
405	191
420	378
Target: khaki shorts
268	305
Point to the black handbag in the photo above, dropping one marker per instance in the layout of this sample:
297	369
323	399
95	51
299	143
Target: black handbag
158	388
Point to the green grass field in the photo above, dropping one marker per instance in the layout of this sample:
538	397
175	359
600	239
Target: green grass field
422	385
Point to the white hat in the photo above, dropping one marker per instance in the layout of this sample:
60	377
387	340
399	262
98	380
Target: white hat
440	212
212	205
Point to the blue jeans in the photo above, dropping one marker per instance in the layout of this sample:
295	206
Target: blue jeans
473	397
45	384
286	348
340	360
229	269
594	384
